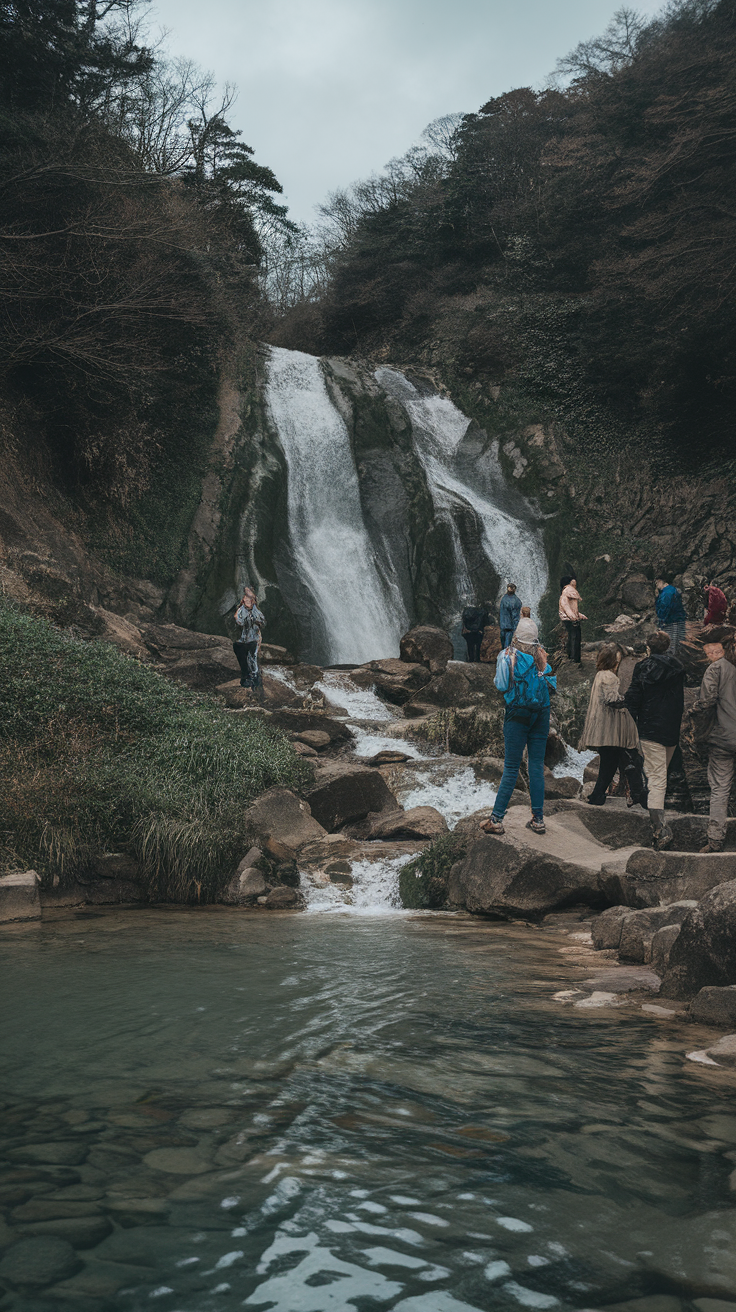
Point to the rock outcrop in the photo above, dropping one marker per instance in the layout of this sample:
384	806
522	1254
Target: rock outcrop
419	822
342	794
715	1006
395	680
282	823
427	645
651	878
704	952
525	874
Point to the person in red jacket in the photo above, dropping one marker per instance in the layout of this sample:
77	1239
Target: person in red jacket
716	605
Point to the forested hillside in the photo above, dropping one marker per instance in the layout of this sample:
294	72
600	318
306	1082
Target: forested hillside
132	220
594	220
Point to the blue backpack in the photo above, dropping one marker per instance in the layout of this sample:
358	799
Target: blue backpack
530	694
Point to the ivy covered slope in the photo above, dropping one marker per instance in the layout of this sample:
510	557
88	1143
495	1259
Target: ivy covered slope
98	753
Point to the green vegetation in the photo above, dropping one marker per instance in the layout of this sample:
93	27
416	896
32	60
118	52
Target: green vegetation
98	753
423	882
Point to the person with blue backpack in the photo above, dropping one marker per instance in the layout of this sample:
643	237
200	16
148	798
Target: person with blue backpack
525	678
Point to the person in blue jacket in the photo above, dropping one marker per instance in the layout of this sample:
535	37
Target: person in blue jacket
525	678
671	614
508	615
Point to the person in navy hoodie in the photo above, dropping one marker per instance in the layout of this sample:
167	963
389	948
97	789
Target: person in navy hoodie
671	614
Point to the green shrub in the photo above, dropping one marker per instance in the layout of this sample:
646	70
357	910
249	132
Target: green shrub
423	881
99	752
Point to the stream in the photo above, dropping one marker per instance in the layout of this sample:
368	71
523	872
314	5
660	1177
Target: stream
306	1112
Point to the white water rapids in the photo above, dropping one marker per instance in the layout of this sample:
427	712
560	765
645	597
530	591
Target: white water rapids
356	608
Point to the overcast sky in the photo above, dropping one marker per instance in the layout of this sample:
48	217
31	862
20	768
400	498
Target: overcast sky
329	90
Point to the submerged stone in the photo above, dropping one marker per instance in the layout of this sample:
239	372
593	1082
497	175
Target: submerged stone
38	1262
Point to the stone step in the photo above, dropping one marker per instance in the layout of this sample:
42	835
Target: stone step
651	879
19	898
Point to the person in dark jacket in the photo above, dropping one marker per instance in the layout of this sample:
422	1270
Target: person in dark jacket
508	615
671	613
655	700
716	605
474	620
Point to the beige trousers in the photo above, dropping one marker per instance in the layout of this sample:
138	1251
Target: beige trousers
656	764
720	778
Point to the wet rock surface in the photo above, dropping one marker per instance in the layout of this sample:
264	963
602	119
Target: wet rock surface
416	823
344	792
705	950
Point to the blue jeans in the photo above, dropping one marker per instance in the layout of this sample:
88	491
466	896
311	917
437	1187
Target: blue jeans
516	738
506	636
678	633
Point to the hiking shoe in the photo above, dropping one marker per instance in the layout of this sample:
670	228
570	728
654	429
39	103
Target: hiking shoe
663	839
537	824
491	826
712	847
595	801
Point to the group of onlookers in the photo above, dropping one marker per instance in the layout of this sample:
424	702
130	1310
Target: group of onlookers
634	734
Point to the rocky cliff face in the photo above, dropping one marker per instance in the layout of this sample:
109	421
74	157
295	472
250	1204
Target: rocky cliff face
609	515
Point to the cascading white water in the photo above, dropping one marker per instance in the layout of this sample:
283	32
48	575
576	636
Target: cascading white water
362	613
513	546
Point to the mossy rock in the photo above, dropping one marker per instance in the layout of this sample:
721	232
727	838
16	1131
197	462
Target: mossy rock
423	882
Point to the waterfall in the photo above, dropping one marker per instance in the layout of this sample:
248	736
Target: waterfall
342	580
510	541
360	613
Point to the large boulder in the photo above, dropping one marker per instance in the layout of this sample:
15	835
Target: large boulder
607	928
395	680
651	879
418	822
281	823
344	793
525	874
428	646
704	952
715	1006
465	732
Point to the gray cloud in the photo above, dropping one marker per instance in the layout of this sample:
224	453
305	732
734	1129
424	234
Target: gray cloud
332	89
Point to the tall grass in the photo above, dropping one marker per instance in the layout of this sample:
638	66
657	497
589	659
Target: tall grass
98	752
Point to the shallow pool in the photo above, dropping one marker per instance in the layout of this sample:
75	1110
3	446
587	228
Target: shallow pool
213	1109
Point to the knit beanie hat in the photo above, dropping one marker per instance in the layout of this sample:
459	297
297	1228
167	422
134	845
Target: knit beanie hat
527	631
